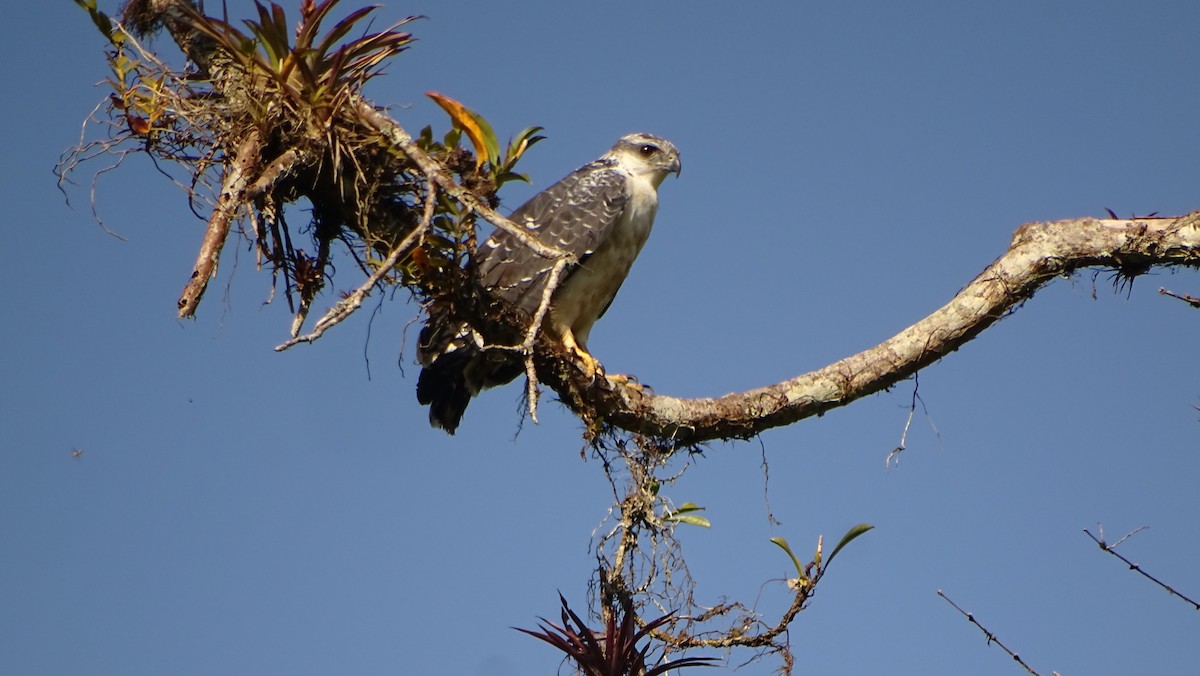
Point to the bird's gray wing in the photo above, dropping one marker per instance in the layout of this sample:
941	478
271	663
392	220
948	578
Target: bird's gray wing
573	215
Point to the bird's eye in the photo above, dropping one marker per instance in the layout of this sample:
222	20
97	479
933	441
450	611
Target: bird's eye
648	150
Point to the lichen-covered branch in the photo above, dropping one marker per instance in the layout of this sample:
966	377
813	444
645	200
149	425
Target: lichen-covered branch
231	199
1039	252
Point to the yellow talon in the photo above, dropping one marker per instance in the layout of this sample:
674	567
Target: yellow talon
590	365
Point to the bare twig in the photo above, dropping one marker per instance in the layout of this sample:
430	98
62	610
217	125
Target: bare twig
1112	549
1190	300
991	638
531	380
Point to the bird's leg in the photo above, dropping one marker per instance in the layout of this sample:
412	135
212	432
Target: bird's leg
590	366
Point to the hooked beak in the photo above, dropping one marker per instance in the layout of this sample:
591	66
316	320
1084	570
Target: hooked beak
675	168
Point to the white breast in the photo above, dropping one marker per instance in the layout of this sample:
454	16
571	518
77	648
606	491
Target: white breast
590	289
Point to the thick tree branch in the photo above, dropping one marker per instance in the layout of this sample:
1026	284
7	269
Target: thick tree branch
238	176
1039	252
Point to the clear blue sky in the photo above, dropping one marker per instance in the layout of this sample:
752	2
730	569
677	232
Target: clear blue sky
847	168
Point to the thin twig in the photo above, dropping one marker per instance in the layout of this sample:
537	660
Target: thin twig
1190	300
763	639
766	472
990	636
1112	549
531	380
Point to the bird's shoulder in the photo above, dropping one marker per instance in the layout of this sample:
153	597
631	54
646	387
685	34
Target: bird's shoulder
593	191
574	215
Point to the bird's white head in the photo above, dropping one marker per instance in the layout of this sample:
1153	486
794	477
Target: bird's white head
647	155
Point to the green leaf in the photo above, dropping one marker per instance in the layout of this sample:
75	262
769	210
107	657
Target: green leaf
520	143
510	176
691	520
311	25
687	514
340	30
850	535
783	544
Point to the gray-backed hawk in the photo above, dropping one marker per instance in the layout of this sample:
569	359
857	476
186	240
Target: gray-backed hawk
601	214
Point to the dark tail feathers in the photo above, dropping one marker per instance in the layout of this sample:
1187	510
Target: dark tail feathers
443	387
